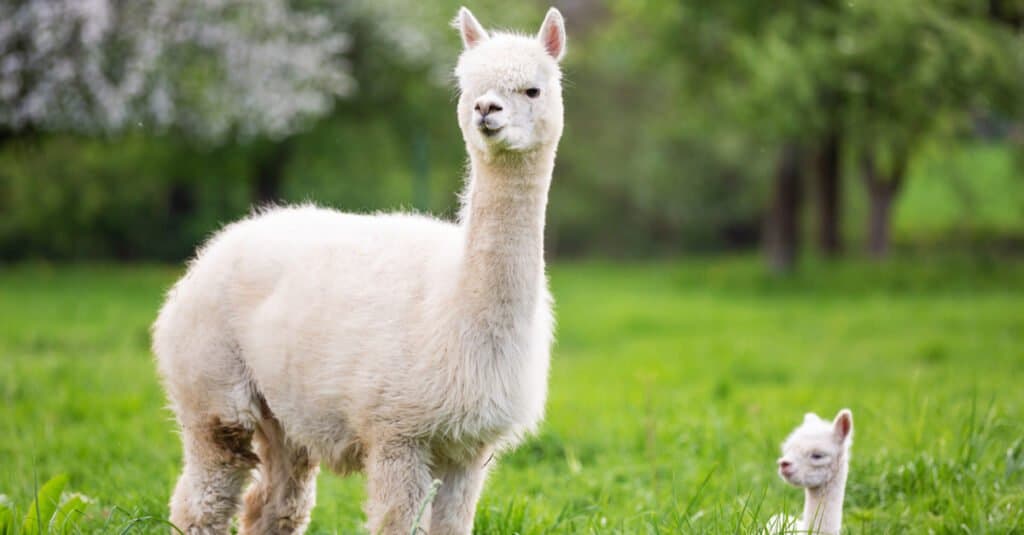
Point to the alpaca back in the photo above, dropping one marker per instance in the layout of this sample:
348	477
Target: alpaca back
339	320
280	291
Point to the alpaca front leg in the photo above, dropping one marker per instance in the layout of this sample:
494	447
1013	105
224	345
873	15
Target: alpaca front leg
455	503
398	484
218	458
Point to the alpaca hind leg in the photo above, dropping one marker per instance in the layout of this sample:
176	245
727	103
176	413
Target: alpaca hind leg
218	460
280	499
455	504
398	483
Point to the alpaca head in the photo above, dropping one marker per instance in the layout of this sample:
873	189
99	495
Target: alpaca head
814	453
510	86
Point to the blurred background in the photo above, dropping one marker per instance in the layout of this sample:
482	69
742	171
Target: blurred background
759	209
129	131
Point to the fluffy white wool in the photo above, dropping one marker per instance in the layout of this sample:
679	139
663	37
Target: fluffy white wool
816	456
398	345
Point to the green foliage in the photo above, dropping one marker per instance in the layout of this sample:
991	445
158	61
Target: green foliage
41	511
675	112
911	69
672	385
52	512
6	516
69	514
126	198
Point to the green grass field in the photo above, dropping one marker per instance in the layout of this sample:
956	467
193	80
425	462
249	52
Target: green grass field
671	388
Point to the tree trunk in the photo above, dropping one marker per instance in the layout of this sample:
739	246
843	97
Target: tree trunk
879	221
782	227
5	137
882	189
8	136
827	167
1007	12
270	172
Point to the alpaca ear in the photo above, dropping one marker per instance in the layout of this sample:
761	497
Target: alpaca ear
843	425
552	34
469	28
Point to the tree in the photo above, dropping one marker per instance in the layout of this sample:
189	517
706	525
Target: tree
916	70
783	89
828	190
207	68
782	229
871	78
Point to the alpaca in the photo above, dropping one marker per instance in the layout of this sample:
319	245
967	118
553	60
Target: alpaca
398	345
816	456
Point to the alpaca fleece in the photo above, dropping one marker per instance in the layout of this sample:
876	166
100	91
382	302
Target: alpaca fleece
399	345
816	457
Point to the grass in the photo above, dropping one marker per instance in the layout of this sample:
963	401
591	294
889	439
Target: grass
969	189
672	385
969	193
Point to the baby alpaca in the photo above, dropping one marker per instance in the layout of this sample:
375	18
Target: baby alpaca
399	345
816	456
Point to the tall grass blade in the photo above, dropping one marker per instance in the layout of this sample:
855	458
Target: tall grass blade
434	485
37	518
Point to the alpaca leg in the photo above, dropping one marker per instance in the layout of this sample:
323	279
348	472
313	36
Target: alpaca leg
218	459
398	483
455	504
280	500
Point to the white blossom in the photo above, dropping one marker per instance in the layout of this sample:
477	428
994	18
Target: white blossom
208	67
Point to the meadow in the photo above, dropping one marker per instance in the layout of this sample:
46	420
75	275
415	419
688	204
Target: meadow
672	385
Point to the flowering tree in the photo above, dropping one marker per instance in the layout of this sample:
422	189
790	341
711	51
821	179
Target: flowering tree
207	67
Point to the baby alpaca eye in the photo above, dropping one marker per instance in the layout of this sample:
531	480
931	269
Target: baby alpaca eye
533	92
817	456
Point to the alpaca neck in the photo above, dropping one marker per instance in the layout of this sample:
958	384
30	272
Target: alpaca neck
823	506
503	225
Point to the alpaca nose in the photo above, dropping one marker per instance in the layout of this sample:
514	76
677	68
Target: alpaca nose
784	464
486	105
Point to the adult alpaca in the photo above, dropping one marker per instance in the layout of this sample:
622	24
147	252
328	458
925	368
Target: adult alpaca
399	345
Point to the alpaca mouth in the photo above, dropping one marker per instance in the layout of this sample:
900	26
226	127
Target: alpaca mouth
488	131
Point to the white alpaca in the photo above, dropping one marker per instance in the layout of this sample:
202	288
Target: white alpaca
816	456
398	345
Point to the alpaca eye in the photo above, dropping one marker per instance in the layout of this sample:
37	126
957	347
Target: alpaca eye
533	92
817	456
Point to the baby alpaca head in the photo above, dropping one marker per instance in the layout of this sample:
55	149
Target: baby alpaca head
814	453
510	86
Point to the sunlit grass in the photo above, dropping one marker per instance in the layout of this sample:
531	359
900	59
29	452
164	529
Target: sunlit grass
672	385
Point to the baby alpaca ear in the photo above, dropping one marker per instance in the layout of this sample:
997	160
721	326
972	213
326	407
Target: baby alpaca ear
469	28
552	34
843	425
